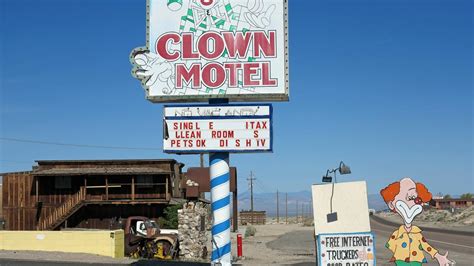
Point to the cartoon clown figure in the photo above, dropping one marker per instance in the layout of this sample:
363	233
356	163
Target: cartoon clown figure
407	242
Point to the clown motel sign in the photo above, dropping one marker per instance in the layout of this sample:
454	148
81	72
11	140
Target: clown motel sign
217	128
201	49
346	249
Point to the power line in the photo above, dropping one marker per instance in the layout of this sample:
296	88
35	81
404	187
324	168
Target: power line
77	145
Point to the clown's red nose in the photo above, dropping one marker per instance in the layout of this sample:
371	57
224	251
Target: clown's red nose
418	200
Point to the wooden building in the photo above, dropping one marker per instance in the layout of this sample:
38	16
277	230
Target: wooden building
252	217
1	198
89	193
2	222
451	203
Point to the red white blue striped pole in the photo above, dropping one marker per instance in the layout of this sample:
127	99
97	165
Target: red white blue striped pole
220	205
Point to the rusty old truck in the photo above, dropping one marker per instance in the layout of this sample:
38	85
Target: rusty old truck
144	239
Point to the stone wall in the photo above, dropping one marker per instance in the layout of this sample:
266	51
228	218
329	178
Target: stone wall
193	223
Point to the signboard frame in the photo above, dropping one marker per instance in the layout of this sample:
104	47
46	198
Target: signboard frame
318	243
270	117
261	97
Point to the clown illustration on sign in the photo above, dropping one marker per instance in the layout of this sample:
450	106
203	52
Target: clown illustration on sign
407	242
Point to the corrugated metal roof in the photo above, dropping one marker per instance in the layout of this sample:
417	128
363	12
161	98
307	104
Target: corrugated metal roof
100	171
118	161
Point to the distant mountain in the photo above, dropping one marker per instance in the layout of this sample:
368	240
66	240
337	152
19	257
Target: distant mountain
267	202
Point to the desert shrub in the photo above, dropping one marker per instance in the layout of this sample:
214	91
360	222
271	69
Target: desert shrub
250	231
308	222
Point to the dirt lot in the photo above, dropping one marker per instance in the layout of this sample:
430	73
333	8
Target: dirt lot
270	245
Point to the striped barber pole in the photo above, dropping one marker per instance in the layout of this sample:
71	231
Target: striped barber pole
220	198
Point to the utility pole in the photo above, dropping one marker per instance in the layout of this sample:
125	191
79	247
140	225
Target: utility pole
296	211
302	212
286	208
251	179
278	209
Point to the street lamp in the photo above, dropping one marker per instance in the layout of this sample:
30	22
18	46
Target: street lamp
343	170
327	178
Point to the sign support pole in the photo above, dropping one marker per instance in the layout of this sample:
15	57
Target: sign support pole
220	203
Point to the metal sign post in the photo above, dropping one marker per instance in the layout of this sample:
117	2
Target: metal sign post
220	205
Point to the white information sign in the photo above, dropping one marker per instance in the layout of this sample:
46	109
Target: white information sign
347	200
347	249
217	128
201	49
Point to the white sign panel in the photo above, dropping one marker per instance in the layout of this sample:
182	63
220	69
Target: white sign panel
217	128
349	249
348	200
201	49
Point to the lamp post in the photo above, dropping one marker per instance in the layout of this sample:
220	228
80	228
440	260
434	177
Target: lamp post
343	170
327	178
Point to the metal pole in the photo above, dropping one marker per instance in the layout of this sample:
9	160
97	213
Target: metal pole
286	208
220	205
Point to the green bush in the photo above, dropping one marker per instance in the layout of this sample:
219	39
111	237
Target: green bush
250	231
467	196
170	219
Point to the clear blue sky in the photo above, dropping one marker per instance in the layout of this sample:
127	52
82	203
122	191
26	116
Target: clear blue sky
384	85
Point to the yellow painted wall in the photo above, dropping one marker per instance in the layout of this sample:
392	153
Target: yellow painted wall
105	243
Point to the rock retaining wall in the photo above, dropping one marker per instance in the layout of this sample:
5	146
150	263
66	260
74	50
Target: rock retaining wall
193	224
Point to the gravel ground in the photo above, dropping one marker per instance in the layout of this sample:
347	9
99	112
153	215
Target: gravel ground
270	245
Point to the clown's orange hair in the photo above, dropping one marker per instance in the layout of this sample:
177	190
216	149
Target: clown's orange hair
389	192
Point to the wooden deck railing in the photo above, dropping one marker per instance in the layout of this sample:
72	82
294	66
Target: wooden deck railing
77	200
62	212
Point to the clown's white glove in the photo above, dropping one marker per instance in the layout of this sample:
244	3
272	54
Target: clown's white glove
152	68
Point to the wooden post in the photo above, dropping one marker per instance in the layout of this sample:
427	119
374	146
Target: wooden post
278	209
106	188
133	188
166	189
85	186
296	211
37	188
235	220
302	212
286	207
